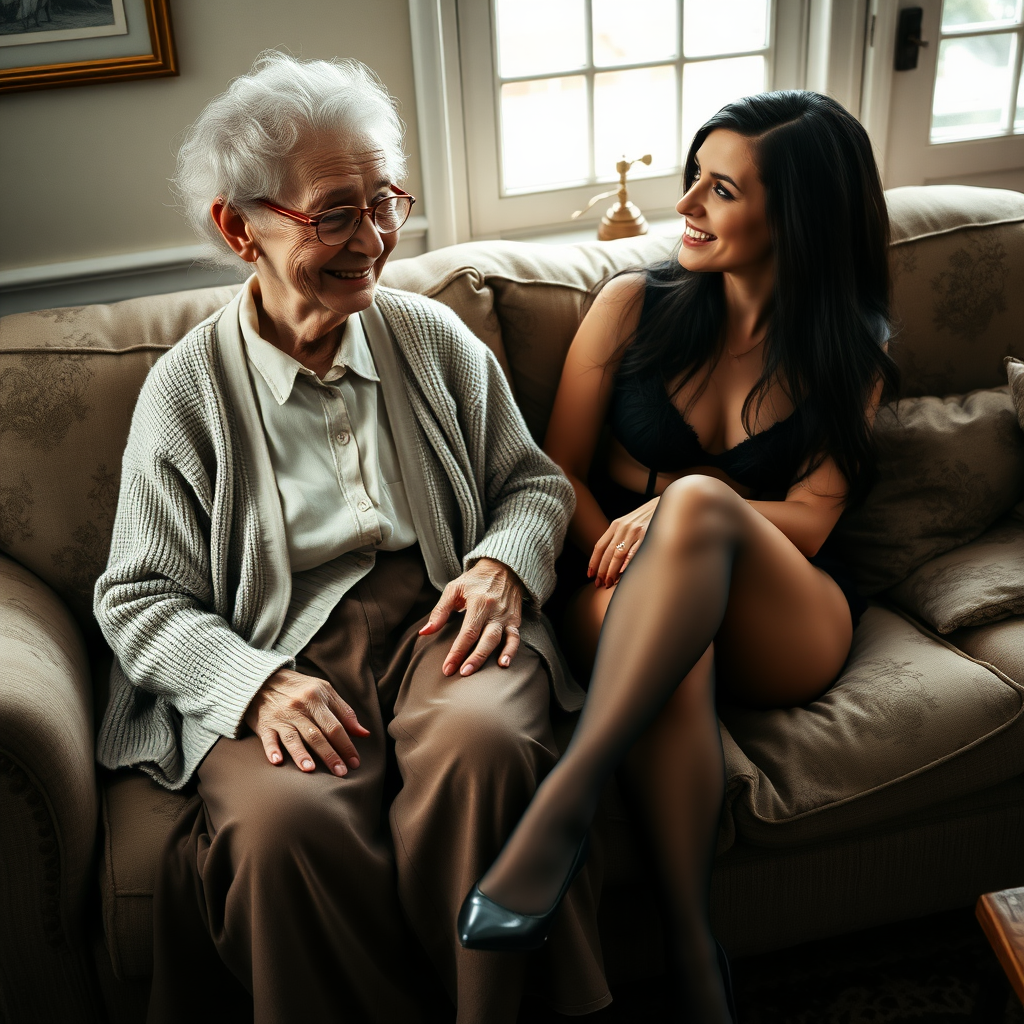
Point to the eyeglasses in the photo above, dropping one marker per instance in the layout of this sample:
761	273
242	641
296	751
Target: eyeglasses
338	225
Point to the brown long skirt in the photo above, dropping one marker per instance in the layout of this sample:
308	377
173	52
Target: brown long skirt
287	896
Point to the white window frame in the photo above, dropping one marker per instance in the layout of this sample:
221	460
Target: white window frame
819	43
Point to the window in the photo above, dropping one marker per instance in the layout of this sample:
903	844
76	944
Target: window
556	91
979	90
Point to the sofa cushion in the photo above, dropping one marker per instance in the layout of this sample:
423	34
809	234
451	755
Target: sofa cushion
911	721
69	379
137	819
948	468
1000	644
956	258
539	293
1015	377
980	582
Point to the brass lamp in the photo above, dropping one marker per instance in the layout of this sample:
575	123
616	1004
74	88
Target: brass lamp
622	219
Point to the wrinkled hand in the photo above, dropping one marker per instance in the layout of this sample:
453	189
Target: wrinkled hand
492	597
298	710
609	561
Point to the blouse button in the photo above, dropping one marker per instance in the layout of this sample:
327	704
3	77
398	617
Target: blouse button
363	506
342	438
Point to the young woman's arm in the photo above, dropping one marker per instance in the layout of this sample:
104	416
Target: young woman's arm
813	506
584	392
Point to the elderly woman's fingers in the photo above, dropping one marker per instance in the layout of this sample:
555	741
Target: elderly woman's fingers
293	744
337	723
297	711
271	747
451	600
490	637
511	647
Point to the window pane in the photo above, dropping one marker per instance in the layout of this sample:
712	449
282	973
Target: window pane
536	37
634	114
724	26
544	132
1018	121
710	84
635	32
972	89
959	14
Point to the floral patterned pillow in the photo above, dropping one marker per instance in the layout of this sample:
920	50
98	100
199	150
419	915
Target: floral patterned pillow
948	469
1015	373
980	582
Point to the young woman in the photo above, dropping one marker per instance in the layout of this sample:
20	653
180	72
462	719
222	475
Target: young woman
739	384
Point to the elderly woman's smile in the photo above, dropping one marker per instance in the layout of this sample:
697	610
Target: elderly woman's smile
306	287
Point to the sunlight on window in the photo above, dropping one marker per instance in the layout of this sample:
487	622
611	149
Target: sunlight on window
544	132
708	85
635	113
960	14
1018	121
724	26
972	89
536	37
634	33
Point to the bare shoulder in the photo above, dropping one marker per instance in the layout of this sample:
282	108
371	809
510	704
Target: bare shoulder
611	319
622	295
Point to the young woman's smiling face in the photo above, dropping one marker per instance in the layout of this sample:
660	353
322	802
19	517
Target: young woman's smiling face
726	229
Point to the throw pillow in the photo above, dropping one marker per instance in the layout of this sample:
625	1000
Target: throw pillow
1015	373
948	469
980	582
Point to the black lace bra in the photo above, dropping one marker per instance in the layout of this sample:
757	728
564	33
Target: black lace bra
648	425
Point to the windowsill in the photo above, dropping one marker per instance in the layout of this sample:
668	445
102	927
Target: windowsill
659	225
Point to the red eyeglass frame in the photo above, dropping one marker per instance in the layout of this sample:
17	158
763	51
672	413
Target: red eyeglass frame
314	222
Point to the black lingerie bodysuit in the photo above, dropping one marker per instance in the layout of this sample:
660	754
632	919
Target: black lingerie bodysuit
648	425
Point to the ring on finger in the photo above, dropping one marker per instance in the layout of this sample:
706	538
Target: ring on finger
621	546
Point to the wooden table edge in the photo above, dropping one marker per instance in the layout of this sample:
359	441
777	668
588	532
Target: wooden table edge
1011	958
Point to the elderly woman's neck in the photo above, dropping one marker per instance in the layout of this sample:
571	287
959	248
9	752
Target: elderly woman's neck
309	336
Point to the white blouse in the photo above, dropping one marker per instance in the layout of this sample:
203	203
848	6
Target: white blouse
331	447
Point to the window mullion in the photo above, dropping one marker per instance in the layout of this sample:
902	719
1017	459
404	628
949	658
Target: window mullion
680	141
588	16
1015	81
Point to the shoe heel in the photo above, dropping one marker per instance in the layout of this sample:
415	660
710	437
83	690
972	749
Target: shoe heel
486	924
726	971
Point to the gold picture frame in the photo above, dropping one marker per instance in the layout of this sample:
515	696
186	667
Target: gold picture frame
160	61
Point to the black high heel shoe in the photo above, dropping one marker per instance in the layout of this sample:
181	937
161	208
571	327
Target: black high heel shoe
484	924
726	972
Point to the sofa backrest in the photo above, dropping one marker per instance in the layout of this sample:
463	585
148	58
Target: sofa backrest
69	378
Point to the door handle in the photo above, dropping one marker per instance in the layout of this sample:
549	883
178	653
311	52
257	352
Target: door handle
908	38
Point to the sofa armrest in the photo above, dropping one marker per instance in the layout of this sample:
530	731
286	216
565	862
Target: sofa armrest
48	803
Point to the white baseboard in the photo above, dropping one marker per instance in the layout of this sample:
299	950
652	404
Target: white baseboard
130	275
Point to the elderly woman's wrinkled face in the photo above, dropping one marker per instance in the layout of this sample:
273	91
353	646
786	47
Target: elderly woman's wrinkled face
302	279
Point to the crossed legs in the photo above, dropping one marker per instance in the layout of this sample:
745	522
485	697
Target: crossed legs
712	571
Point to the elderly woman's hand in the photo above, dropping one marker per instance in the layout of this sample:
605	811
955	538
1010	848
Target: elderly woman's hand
295	709
492	597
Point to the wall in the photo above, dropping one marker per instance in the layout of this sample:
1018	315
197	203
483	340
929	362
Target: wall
84	170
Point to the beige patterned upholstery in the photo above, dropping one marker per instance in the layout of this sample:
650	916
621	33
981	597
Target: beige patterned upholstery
832	809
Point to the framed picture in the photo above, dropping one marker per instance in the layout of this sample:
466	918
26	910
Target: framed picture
49	43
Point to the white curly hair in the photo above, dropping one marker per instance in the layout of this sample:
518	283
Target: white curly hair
241	144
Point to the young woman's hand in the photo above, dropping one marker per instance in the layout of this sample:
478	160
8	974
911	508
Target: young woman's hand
619	543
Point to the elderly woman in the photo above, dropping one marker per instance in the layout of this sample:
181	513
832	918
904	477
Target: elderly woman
317	478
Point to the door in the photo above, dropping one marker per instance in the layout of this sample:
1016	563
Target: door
958	116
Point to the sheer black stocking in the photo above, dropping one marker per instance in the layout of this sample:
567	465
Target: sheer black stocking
661	621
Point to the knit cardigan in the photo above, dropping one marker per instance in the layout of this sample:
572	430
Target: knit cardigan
198	583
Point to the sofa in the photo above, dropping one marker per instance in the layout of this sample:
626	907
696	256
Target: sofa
899	793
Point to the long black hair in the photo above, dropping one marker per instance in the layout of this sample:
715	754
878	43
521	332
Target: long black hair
829	315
